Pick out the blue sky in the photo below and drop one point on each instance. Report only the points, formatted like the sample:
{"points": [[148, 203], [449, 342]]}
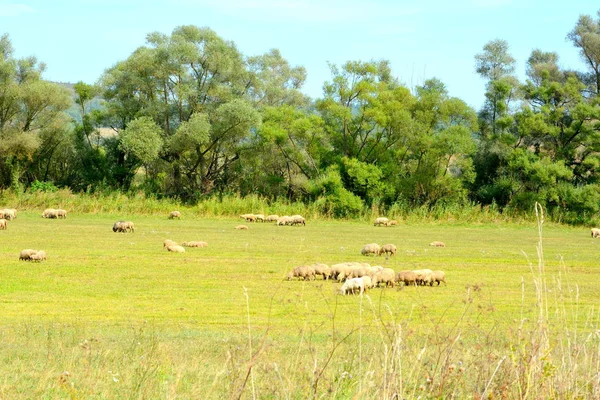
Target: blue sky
{"points": [[78, 40]]}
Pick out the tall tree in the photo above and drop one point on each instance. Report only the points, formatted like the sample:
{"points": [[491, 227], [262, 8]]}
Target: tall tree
{"points": [[586, 37]]}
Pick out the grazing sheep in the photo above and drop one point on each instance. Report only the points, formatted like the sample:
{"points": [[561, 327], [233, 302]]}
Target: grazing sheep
{"points": [[259, 217], [407, 277], [50, 213], [285, 220], [8, 213], [60, 213], [175, 214], [272, 218], [194, 244], [305, 272], [167, 242], [381, 221], [595, 232], [371, 248], [386, 276], [388, 248], [367, 282], [175, 249], [392, 222], [38, 256], [438, 276], [437, 244], [298, 220], [423, 276], [26, 254], [248, 217], [242, 227], [353, 285], [323, 270], [3, 225], [123, 226]]}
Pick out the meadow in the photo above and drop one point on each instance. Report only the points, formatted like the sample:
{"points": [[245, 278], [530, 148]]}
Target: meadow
{"points": [[112, 315]]}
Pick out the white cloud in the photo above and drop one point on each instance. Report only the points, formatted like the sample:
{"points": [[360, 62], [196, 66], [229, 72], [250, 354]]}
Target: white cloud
{"points": [[14, 10]]}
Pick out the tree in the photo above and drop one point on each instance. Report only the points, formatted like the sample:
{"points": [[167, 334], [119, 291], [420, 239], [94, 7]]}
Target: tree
{"points": [[31, 110], [586, 37]]}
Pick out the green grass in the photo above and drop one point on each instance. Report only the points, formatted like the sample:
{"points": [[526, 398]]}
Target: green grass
{"points": [[176, 325]]}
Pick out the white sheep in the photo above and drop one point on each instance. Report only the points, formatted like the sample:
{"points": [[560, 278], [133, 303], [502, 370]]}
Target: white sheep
{"points": [[175, 249], [50, 213], [242, 227], [322, 269], [248, 217], [3, 225], [437, 244], [371, 248], [168, 242], [8, 213], [391, 222], [272, 218], [388, 248], [438, 276], [285, 220], [305, 272], [381, 221], [298, 220], [353, 285], [259, 217], [38, 256], [423, 276], [595, 232], [386, 276], [175, 214], [60, 213], [26, 254]]}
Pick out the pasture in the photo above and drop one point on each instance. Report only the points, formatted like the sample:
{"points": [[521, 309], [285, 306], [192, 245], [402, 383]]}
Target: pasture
{"points": [[114, 315]]}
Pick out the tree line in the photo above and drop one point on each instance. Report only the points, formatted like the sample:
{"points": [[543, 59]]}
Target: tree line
{"points": [[188, 116]]}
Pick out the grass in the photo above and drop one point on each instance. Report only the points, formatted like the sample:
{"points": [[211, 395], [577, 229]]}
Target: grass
{"points": [[115, 316]]}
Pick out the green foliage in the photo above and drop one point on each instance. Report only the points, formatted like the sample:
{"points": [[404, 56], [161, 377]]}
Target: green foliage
{"points": [[141, 139], [38, 186], [332, 198]]}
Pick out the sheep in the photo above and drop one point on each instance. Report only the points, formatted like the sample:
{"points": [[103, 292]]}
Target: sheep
{"points": [[50, 213], [423, 276], [381, 221], [392, 222], [371, 248], [194, 244], [367, 282], [408, 277], [438, 276], [26, 254], [437, 244], [38, 256], [175, 249], [298, 220], [388, 248], [8, 214], [248, 217], [323, 270], [352, 285], [285, 220], [386, 276], [595, 232], [175, 214], [3, 225], [123, 226], [242, 227], [259, 217], [272, 218], [305, 272], [60, 213], [166, 243]]}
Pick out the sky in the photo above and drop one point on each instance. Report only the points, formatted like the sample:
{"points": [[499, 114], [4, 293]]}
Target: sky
{"points": [[422, 39]]}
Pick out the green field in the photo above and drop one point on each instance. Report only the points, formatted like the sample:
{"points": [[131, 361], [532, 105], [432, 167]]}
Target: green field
{"points": [[112, 315]]}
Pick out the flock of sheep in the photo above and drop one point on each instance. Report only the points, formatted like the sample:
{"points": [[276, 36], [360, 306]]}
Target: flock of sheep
{"points": [[359, 277], [280, 221]]}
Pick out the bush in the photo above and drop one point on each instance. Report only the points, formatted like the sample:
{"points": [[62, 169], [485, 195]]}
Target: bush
{"points": [[45, 187]]}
